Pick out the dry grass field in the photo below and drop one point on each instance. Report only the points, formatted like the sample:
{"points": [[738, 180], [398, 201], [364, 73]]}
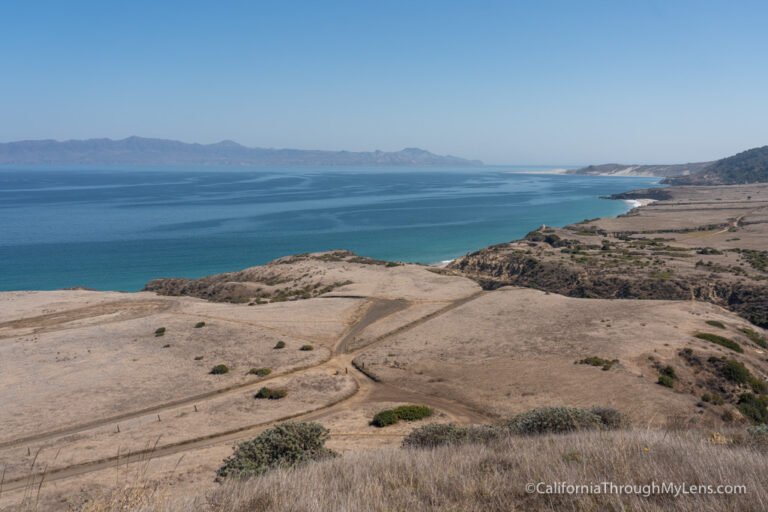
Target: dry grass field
{"points": [[494, 477]]}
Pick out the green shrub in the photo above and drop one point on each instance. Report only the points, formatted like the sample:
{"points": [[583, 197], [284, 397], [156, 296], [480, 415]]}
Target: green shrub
{"points": [[553, 420], [271, 393], [198, 325], [403, 412], [610, 417], [754, 407], [160, 331], [606, 364], [261, 372], [219, 369], [384, 418], [435, 434], [669, 372], [283, 446], [198, 358], [719, 340], [307, 347], [754, 337], [280, 344], [734, 371], [413, 412], [666, 381], [716, 323]]}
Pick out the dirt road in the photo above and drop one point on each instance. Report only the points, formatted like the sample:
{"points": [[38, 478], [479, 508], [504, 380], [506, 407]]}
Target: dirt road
{"points": [[365, 390]]}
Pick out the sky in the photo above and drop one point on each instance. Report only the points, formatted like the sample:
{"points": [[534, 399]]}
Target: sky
{"points": [[509, 82]]}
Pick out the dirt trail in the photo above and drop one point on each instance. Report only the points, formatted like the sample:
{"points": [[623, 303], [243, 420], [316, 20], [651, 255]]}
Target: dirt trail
{"points": [[155, 409], [426, 318], [378, 309], [366, 390], [117, 311]]}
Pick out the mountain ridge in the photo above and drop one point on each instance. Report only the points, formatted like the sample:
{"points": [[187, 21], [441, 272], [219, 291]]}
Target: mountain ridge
{"points": [[136, 150], [750, 166]]}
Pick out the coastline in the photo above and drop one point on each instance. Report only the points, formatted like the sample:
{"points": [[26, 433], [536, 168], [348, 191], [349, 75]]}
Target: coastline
{"points": [[556, 171], [425, 218], [634, 204], [639, 203]]}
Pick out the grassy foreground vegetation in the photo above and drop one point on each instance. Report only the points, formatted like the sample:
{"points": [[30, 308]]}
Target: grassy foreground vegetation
{"points": [[491, 476]]}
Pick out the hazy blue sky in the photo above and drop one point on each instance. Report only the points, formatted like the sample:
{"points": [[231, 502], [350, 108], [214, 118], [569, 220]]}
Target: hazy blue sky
{"points": [[550, 82]]}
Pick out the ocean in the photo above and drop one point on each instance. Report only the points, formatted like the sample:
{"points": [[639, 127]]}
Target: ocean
{"points": [[115, 229]]}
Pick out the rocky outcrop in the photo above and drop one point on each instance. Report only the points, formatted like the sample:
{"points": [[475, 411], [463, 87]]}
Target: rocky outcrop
{"points": [[499, 266], [659, 194], [288, 278]]}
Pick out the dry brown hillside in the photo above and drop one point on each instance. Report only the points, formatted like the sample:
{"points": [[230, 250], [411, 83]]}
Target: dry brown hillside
{"points": [[101, 390]]}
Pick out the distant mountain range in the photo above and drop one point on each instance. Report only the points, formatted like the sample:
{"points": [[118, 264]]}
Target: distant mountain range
{"points": [[750, 166], [146, 151]]}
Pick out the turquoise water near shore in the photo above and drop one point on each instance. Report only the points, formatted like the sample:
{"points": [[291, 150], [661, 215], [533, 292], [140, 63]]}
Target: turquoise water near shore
{"points": [[115, 229]]}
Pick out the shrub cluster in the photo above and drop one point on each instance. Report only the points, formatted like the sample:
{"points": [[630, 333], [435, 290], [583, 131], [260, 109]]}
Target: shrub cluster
{"points": [[219, 369], [435, 434], [666, 381], [716, 323], [735, 372], [610, 417], [271, 393], [719, 340], [667, 376], [754, 407], [384, 418], [546, 420], [606, 364], [403, 412], [754, 337], [283, 446], [558, 420]]}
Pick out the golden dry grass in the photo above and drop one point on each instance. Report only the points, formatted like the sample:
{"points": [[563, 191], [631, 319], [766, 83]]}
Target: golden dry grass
{"points": [[494, 477]]}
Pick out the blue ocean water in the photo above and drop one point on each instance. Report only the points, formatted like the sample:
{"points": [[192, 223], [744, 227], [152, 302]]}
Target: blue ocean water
{"points": [[115, 229]]}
